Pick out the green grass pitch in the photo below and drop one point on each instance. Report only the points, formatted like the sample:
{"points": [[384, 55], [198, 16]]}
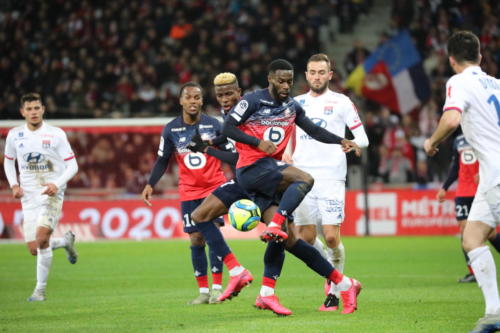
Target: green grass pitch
{"points": [[409, 285]]}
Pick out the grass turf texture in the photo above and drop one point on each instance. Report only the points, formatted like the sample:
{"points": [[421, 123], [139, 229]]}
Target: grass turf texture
{"points": [[409, 285]]}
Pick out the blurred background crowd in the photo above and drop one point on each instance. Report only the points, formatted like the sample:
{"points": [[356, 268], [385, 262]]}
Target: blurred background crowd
{"points": [[118, 58]]}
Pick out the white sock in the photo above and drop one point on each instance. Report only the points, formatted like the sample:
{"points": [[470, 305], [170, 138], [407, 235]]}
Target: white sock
{"points": [[56, 243], [204, 290], [216, 287], [343, 285], [266, 291], [274, 224], [43, 263], [338, 255], [318, 245], [485, 272], [236, 270]]}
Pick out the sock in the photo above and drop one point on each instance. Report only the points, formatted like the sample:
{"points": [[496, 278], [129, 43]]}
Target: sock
{"points": [[312, 258], [273, 262], [56, 243], [216, 266], [470, 269], [43, 263], [338, 255], [496, 242], [233, 265], [214, 239], [484, 268], [277, 220], [291, 198], [200, 266], [268, 286], [320, 247], [342, 285]]}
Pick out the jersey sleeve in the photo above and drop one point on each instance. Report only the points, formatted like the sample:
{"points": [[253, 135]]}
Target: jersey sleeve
{"points": [[63, 147], [455, 96], [244, 109], [351, 116], [10, 148], [166, 145]]}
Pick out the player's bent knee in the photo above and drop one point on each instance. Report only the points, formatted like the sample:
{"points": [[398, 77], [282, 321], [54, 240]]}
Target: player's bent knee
{"points": [[196, 239]]}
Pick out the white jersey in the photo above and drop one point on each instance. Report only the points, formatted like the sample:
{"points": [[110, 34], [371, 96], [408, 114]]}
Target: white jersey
{"points": [[477, 96], [332, 111], [40, 154]]}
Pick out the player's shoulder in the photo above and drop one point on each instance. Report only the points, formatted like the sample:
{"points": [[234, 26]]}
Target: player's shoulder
{"points": [[174, 123], [209, 120], [54, 130]]}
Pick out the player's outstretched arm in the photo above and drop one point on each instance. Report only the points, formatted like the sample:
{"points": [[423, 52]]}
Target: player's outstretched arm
{"points": [[317, 132]]}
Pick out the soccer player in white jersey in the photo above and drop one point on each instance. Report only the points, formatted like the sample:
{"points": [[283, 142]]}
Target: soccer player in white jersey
{"points": [[46, 163], [473, 101], [323, 207]]}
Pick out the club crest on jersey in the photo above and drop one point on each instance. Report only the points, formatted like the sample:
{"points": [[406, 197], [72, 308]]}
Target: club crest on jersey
{"points": [[328, 110], [302, 101], [287, 112], [45, 144]]}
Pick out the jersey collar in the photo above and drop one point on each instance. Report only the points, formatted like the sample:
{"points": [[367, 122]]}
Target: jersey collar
{"points": [[473, 70]]}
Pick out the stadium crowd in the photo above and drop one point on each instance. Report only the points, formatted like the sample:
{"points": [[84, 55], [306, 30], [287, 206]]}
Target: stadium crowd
{"points": [[93, 59]]}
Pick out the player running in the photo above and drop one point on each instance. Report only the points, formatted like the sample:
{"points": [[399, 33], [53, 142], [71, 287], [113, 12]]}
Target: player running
{"points": [[262, 123], [199, 175], [323, 206], [46, 163], [473, 101]]}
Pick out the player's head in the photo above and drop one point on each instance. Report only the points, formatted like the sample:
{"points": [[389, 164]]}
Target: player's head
{"points": [[463, 49], [227, 90], [280, 78], [319, 72], [32, 108], [191, 98]]}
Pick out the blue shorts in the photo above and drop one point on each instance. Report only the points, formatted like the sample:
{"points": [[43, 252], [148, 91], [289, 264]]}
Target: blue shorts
{"points": [[462, 207], [187, 207], [261, 179], [230, 192]]}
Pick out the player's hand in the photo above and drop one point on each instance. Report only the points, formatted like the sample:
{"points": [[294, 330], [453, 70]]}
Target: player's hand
{"points": [[50, 189], [197, 144], [440, 195], [147, 194], [267, 147], [429, 148], [17, 192], [287, 158], [348, 146]]}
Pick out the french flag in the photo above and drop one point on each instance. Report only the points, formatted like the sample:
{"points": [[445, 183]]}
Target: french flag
{"points": [[392, 75]]}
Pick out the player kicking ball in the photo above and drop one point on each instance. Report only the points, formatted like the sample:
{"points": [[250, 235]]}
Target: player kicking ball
{"points": [[46, 163]]}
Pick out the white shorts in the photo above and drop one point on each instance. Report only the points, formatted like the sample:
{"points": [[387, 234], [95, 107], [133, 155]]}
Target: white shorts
{"points": [[486, 207], [40, 211], [323, 205]]}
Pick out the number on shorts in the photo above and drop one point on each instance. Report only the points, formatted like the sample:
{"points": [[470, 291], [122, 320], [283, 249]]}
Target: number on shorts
{"points": [[187, 221], [462, 210]]}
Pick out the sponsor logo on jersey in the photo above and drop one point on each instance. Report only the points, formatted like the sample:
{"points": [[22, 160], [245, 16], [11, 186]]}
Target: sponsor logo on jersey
{"points": [[302, 101], [206, 126], [266, 111], [182, 139], [34, 157], [241, 107], [319, 122], [178, 129], [273, 123], [263, 101], [21, 146], [328, 110], [46, 144]]}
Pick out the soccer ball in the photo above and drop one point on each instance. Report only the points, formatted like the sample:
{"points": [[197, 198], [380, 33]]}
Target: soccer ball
{"points": [[244, 215]]}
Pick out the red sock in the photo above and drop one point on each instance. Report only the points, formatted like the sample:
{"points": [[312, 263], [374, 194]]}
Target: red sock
{"points": [[217, 278], [278, 218], [335, 276], [231, 261], [470, 269], [268, 282], [202, 281]]}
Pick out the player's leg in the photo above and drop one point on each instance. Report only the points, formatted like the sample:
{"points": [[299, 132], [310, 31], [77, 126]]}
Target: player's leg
{"points": [[216, 203], [200, 267], [462, 209], [483, 217], [494, 239]]}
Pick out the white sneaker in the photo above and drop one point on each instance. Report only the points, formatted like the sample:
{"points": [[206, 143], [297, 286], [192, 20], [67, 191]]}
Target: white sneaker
{"points": [[70, 247], [38, 296]]}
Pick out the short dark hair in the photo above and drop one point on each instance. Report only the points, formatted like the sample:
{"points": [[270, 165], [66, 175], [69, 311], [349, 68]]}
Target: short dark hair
{"points": [[320, 57], [190, 84], [464, 47], [279, 64], [30, 97]]}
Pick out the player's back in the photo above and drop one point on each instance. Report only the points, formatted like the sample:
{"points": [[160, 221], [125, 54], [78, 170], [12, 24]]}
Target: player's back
{"points": [[477, 96]]}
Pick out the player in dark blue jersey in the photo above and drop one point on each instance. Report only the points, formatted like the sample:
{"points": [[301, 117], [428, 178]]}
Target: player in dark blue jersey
{"points": [[199, 175]]}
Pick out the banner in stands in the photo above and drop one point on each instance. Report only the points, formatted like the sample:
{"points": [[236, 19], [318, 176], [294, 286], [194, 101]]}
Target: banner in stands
{"points": [[391, 212]]}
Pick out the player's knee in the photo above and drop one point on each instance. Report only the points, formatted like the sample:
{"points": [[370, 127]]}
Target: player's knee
{"points": [[196, 216], [197, 239], [332, 241], [42, 242]]}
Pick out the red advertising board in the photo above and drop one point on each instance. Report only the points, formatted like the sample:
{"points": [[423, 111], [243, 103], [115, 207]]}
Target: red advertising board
{"points": [[391, 212]]}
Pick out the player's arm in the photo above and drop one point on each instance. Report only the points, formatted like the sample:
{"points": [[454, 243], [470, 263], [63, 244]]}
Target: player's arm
{"points": [[322, 135], [64, 150], [9, 166], [355, 125], [451, 178], [164, 152], [237, 116]]}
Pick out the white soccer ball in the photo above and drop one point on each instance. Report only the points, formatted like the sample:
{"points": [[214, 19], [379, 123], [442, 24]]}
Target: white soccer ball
{"points": [[244, 215]]}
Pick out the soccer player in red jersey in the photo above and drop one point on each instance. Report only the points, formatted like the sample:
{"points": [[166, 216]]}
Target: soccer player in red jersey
{"points": [[199, 175], [464, 167]]}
